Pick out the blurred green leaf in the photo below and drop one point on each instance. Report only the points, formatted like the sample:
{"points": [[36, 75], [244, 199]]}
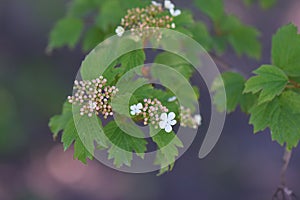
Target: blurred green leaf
{"points": [[92, 38], [213, 8], [67, 31]]}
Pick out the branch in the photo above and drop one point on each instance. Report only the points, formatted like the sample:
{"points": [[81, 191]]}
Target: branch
{"points": [[283, 192], [286, 160]]}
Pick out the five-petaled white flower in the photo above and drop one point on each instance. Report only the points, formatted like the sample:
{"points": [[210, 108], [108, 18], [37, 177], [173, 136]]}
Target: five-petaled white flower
{"points": [[120, 31], [198, 119], [136, 109], [169, 5], [175, 13], [167, 121], [156, 4], [92, 105]]}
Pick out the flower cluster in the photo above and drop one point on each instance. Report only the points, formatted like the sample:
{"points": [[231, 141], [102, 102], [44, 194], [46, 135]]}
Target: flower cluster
{"points": [[187, 120], [153, 112], [93, 96], [141, 21]]}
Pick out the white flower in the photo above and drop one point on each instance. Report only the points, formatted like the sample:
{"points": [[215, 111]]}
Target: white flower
{"points": [[167, 121], [92, 105], [169, 5], [156, 4], [173, 25], [120, 31], [136, 109], [198, 119], [175, 13], [171, 99]]}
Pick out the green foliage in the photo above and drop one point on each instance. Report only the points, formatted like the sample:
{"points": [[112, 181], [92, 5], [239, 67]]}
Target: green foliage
{"points": [[168, 145], [123, 145], [229, 30], [281, 117], [286, 50], [234, 86], [270, 82], [271, 97], [265, 4], [66, 32], [65, 123]]}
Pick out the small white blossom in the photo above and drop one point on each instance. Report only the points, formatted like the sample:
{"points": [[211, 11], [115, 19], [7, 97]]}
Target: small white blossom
{"points": [[171, 99], [169, 5], [136, 109], [167, 121], [156, 3], [175, 13], [120, 31], [173, 25], [198, 119], [92, 105]]}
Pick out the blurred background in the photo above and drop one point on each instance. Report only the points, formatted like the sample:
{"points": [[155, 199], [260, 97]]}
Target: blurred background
{"points": [[34, 85]]}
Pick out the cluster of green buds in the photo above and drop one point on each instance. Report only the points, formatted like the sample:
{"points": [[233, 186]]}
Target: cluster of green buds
{"points": [[145, 22], [93, 96]]}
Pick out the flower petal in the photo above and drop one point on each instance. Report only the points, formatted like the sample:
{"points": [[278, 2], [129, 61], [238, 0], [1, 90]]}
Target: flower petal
{"points": [[139, 106], [132, 107], [164, 116], [132, 112], [168, 4], [162, 124], [173, 122], [175, 13], [168, 128], [171, 116]]}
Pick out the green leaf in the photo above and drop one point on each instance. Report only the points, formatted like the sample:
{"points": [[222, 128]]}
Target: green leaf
{"points": [[80, 152], [167, 149], [261, 114], [285, 127], [69, 135], [133, 59], [201, 35], [282, 116], [110, 14], [80, 8], [176, 62], [286, 50], [122, 144], [265, 4], [92, 38], [241, 37], [213, 8], [234, 85], [185, 19], [65, 123], [59, 122], [270, 82], [247, 101], [67, 31]]}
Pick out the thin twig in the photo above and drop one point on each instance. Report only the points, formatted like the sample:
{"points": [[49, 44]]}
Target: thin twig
{"points": [[283, 192], [286, 160]]}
